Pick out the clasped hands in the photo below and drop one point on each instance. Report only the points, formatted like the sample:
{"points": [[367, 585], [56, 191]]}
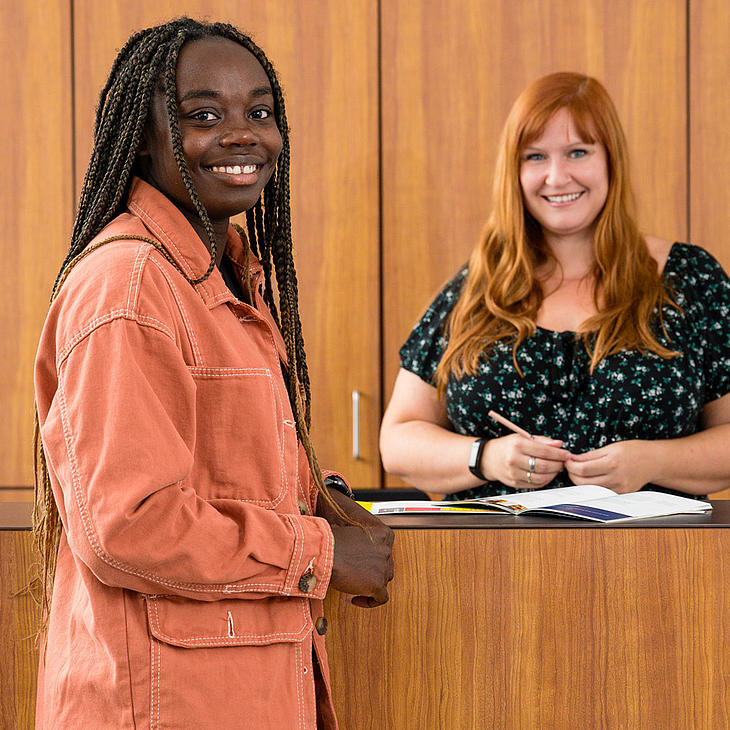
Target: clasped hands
{"points": [[363, 561], [532, 463]]}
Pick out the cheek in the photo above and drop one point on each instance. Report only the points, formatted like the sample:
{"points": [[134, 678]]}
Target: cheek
{"points": [[528, 188], [192, 148], [275, 143]]}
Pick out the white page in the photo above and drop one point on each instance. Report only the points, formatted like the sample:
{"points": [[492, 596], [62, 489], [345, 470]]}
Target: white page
{"points": [[648, 504], [546, 497]]}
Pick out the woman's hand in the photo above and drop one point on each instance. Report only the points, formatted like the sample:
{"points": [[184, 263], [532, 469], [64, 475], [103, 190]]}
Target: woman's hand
{"points": [[622, 466], [508, 460], [363, 562]]}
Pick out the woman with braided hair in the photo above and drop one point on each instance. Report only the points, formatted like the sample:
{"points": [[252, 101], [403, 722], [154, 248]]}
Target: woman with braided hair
{"points": [[186, 532], [610, 348]]}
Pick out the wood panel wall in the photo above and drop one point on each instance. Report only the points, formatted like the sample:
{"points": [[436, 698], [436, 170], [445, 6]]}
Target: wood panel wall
{"points": [[37, 198], [396, 105], [326, 55], [709, 171], [450, 72]]}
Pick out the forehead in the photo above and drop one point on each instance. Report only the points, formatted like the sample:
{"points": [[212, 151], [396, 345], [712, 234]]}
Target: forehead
{"points": [[218, 63], [561, 128]]}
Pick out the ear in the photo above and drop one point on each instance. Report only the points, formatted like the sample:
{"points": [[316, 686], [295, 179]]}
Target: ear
{"points": [[143, 149]]}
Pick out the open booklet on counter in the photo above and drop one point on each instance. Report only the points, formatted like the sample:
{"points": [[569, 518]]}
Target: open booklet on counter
{"points": [[585, 502]]}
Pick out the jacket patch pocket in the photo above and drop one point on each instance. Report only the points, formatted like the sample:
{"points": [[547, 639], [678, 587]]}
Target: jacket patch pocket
{"points": [[242, 451], [230, 622]]}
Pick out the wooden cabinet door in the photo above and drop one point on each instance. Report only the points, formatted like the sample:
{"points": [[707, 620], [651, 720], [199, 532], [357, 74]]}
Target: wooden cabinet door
{"points": [[709, 103], [35, 216], [450, 72], [326, 56]]}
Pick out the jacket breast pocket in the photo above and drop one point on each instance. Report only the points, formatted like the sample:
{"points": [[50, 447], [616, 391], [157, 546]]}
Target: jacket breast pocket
{"points": [[246, 441]]}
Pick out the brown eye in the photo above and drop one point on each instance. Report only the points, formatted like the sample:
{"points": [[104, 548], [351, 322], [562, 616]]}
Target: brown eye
{"points": [[261, 114], [203, 116]]}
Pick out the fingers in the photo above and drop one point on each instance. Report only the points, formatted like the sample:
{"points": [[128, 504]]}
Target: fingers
{"points": [[534, 464], [363, 562], [547, 440], [369, 601]]}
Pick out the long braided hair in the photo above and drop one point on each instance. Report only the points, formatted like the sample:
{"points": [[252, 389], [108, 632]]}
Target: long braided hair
{"points": [[147, 59]]}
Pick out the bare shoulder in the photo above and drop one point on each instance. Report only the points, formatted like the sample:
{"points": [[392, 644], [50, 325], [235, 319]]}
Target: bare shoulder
{"points": [[659, 249]]}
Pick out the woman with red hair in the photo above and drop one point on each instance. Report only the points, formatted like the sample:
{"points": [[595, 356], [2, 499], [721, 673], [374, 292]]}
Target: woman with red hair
{"points": [[612, 345]]}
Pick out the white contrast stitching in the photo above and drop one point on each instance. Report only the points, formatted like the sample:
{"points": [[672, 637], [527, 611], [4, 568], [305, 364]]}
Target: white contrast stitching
{"points": [[142, 252], [161, 233], [214, 372], [223, 640], [89, 327], [209, 372], [155, 649], [298, 662], [183, 312], [113, 562]]}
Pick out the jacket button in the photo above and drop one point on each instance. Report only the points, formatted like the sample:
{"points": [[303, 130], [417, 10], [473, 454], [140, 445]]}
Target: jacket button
{"points": [[302, 507], [307, 583], [321, 625]]}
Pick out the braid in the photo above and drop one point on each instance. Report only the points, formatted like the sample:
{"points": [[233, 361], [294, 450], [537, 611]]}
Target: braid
{"points": [[148, 59]]}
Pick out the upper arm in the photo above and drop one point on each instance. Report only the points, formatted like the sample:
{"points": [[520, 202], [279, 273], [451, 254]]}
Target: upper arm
{"points": [[414, 400], [716, 412]]}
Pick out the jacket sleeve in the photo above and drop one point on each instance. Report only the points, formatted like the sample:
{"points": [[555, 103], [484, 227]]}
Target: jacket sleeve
{"points": [[119, 434]]}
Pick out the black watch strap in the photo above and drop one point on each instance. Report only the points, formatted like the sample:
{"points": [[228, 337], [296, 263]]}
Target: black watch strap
{"points": [[333, 481], [475, 457]]}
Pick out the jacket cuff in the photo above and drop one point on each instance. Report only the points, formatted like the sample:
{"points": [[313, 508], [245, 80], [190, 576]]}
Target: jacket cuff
{"points": [[310, 569]]}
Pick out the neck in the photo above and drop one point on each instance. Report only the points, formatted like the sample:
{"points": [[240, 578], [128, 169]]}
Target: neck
{"points": [[220, 229], [575, 254]]}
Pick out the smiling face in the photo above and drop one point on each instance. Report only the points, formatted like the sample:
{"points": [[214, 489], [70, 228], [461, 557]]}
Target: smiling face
{"points": [[564, 180], [229, 135]]}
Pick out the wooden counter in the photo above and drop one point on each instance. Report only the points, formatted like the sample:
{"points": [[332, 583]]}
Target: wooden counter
{"points": [[501, 622]]}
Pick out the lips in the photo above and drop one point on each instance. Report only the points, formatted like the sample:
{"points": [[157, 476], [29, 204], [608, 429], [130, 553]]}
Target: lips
{"points": [[236, 171]]}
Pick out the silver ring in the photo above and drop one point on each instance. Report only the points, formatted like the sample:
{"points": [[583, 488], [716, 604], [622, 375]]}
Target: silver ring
{"points": [[531, 464]]}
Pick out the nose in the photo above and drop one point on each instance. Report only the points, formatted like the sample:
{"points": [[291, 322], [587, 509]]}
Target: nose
{"points": [[557, 173], [238, 132]]}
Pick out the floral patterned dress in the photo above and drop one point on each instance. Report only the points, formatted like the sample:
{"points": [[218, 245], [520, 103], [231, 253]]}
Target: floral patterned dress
{"points": [[630, 395]]}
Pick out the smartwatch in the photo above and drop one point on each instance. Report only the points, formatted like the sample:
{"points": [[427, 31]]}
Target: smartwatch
{"points": [[475, 457], [333, 481]]}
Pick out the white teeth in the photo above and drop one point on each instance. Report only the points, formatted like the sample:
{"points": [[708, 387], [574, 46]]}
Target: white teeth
{"points": [[235, 169], [563, 198]]}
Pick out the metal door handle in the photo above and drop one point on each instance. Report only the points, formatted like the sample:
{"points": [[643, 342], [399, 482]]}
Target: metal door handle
{"points": [[355, 424]]}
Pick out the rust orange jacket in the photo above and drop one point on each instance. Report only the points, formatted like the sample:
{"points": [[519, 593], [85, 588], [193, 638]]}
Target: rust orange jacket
{"points": [[187, 503]]}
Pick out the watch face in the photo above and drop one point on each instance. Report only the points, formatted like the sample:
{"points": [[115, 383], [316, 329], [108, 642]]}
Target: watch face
{"points": [[476, 449]]}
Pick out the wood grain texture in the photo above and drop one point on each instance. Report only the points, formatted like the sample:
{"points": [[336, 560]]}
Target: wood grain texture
{"points": [[18, 624], [709, 162], [20, 494], [505, 628], [35, 217], [540, 629], [450, 72], [326, 55], [709, 59]]}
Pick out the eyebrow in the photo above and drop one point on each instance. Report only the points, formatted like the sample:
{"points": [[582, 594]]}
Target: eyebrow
{"points": [[200, 94], [213, 94], [582, 143]]}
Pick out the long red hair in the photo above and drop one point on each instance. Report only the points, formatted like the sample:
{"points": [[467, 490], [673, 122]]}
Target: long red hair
{"points": [[501, 295]]}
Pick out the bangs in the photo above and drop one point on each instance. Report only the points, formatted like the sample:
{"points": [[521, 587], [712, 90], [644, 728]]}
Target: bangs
{"points": [[582, 117]]}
